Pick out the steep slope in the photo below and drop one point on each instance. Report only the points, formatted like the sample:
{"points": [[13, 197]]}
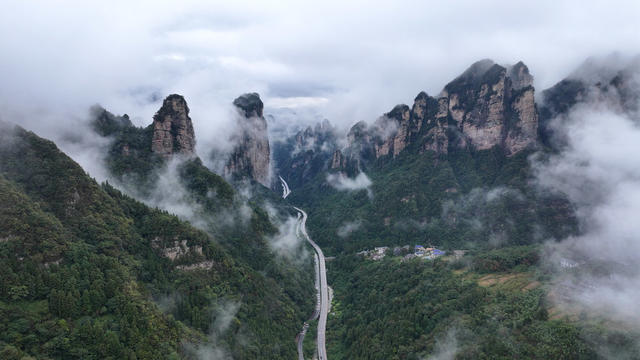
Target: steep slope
{"points": [[300, 158], [172, 128], [437, 167], [251, 156], [82, 263], [487, 106], [457, 171], [180, 180], [492, 305], [595, 81]]}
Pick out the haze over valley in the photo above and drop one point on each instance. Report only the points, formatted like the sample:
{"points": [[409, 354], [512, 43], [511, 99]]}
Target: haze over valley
{"points": [[257, 180]]}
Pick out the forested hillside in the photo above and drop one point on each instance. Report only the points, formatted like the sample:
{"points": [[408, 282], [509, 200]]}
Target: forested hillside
{"points": [[462, 172], [91, 273], [460, 201], [406, 310]]}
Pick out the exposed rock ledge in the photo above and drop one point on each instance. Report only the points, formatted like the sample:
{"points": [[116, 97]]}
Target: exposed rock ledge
{"points": [[176, 251], [203, 265]]}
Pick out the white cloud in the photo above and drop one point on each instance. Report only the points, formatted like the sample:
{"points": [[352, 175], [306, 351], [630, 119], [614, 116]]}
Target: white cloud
{"points": [[286, 242], [215, 348], [59, 60], [600, 174], [170, 57], [446, 346], [297, 101], [348, 227], [62, 59], [342, 182]]}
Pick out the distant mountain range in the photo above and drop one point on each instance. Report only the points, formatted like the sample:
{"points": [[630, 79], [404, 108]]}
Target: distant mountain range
{"points": [[108, 271]]}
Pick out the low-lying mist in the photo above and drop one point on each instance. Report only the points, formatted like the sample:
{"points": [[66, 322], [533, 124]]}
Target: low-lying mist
{"points": [[599, 171]]}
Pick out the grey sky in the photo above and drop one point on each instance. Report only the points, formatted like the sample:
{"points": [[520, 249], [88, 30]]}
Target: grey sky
{"points": [[349, 61]]}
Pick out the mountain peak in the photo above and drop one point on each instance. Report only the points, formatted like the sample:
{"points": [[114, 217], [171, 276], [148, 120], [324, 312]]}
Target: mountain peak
{"points": [[250, 157], [481, 99], [481, 72], [172, 128], [478, 68], [250, 103], [105, 123], [520, 76], [421, 96], [399, 112]]}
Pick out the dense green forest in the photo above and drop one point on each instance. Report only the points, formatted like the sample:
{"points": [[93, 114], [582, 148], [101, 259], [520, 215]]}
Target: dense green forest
{"points": [[92, 273], [494, 303], [86, 273], [390, 309], [464, 200]]}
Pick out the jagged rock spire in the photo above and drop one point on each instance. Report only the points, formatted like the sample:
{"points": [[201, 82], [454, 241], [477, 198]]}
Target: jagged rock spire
{"points": [[250, 104], [172, 128], [487, 105], [251, 155]]}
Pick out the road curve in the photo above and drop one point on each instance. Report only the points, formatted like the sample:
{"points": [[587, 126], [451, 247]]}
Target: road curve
{"points": [[285, 188], [322, 304], [324, 292]]}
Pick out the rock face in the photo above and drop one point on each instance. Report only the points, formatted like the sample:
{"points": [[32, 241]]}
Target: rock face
{"points": [[301, 157], [492, 105], [362, 142], [314, 139], [392, 130], [172, 128], [250, 157], [488, 105], [337, 160], [595, 81], [421, 128]]}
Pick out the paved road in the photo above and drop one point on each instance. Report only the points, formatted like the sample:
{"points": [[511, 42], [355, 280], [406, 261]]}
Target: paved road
{"points": [[324, 292], [285, 188], [300, 340], [323, 302], [316, 311]]}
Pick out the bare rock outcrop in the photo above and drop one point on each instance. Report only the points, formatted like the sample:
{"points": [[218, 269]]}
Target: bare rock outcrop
{"points": [[422, 126], [251, 155], [172, 128], [298, 159], [202, 265], [391, 131], [494, 106], [487, 106], [523, 132], [337, 160], [175, 249], [520, 76]]}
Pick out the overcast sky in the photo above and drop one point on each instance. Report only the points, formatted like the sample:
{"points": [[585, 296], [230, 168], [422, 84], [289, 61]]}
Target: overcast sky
{"points": [[347, 60]]}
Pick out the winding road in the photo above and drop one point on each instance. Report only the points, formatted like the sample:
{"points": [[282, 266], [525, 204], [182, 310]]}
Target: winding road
{"points": [[316, 311], [324, 291], [285, 188], [322, 305]]}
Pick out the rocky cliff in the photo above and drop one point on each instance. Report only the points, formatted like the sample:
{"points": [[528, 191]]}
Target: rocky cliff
{"points": [[492, 105], [251, 155], [488, 105], [172, 128], [300, 157], [137, 152], [596, 81], [360, 140]]}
